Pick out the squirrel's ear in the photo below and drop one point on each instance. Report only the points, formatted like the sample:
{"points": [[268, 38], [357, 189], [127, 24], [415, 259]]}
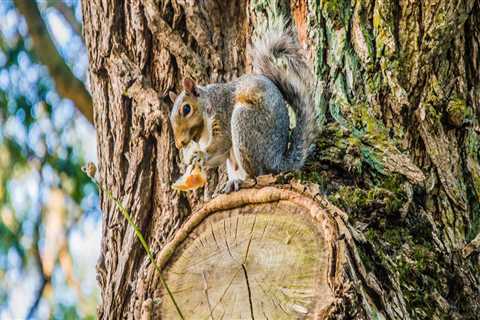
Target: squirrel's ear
{"points": [[172, 96], [190, 87]]}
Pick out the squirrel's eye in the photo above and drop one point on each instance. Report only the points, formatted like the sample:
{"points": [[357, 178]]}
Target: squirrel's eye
{"points": [[186, 109]]}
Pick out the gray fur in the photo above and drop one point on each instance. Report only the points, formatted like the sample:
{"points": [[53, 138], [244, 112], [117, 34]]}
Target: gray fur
{"points": [[295, 85], [260, 132]]}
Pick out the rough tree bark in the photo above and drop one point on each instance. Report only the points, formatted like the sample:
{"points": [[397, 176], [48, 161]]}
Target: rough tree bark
{"points": [[398, 97]]}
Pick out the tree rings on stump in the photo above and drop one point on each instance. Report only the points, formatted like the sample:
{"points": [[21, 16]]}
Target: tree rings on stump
{"points": [[264, 253]]}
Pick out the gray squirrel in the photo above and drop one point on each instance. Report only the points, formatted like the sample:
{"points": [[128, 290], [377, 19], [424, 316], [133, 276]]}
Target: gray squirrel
{"points": [[245, 122]]}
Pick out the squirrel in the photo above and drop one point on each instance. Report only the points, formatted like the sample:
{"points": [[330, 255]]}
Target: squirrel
{"points": [[245, 122]]}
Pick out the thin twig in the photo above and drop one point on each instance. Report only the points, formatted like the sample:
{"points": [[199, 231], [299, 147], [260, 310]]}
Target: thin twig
{"points": [[44, 277], [41, 289], [36, 253]]}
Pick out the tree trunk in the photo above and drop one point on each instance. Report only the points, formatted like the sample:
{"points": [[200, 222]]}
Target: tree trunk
{"points": [[398, 98]]}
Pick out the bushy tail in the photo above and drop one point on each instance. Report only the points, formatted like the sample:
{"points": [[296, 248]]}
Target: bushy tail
{"points": [[295, 82]]}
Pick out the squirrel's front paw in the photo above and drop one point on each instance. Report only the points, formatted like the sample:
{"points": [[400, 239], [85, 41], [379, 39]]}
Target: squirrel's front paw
{"points": [[232, 185]]}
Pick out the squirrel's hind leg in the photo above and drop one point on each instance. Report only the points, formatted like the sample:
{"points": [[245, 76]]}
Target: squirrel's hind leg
{"points": [[259, 138], [236, 174]]}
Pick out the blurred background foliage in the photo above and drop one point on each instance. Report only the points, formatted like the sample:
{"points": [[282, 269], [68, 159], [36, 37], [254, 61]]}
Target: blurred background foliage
{"points": [[49, 219]]}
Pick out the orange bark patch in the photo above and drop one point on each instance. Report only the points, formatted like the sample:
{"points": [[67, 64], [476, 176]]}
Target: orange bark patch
{"points": [[299, 12]]}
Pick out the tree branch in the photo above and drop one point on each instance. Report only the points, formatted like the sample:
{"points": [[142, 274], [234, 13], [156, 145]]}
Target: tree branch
{"points": [[67, 85]]}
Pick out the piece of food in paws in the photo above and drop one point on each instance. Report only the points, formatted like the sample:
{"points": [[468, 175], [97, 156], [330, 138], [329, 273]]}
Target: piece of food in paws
{"points": [[190, 152], [193, 178]]}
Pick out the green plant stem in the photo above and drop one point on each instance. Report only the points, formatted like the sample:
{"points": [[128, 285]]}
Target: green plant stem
{"points": [[140, 237]]}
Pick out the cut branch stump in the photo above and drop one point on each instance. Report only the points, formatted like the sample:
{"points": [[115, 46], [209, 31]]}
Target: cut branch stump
{"points": [[266, 252]]}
